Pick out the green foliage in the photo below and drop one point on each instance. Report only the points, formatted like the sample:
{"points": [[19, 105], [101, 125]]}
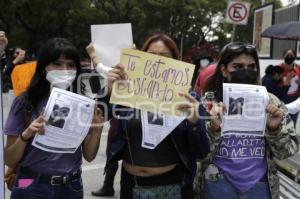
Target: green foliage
{"points": [[29, 23]]}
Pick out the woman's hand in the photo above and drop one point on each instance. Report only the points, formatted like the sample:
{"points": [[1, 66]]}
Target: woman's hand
{"points": [[90, 49], [116, 74], [98, 120], [191, 107], [92, 140], [20, 57], [275, 116], [216, 115], [36, 126]]}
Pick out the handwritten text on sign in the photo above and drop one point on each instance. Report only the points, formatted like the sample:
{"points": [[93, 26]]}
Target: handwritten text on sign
{"points": [[153, 82]]}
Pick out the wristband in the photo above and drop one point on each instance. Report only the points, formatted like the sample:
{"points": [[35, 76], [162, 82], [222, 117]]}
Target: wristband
{"points": [[23, 139]]}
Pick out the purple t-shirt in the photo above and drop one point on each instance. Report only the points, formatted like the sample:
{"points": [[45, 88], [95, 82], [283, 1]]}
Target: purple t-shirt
{"points": [[34, 158], [242, 159]]}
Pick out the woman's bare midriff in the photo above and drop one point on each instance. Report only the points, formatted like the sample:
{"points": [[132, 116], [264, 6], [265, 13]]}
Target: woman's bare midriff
{"points": [[147, 171]]}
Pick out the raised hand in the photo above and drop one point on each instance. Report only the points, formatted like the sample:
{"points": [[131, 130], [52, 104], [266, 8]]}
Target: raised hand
{"points": [[216, 115], [191, 107], [114, 75], [91, 51], [20, 57], [98, 119], [275, 116], [36, 126]]}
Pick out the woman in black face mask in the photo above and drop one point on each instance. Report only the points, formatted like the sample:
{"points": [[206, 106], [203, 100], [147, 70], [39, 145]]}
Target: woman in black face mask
{"points": [[291, 71], [224, 174], [238, 63], [289, 57]]}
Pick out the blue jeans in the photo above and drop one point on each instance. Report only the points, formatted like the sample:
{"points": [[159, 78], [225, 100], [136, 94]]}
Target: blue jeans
{"points": [[40, 189], [221, 188]]}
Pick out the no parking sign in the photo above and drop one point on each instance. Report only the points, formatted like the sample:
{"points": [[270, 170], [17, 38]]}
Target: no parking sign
{"points": [[237, 12]]}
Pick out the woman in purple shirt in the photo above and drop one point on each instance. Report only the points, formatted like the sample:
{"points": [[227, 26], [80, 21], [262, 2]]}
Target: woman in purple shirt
{"points": [[42, 174], [239, 165]]}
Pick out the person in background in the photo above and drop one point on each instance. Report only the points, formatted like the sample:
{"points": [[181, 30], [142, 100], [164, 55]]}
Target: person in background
{"points": [[107, 188], [203, 78], [272, 79], [18, 55], [4, 61], [41, 174], [247, 175], [291, 71], [201, 62], [3, 45], [172, 164], [15, 57]]}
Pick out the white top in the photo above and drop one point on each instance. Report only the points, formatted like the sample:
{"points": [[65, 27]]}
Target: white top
{"points": [[294, 107]]}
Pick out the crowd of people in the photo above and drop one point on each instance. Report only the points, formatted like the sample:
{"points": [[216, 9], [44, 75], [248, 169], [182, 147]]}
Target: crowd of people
{"points": [[188, 163]]}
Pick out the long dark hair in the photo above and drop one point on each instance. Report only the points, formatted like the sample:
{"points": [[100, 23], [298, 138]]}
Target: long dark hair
{"points": [[228, 53], [168, 41], [39, 86]]}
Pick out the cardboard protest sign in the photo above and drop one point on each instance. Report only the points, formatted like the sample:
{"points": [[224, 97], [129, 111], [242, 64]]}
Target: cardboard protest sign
{"points": [[153, 82], [21, 76]]}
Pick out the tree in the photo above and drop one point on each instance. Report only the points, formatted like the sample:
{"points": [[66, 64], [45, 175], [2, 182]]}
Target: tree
{"points": [[29, 23]]}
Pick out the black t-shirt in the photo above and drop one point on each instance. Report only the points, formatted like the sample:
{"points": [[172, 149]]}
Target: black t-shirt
{"points": [[164, 154]]}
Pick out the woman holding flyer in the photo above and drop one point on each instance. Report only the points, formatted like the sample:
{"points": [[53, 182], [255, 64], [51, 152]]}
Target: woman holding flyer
{"points": [[242, 166], [166, 171], [41, 174]]}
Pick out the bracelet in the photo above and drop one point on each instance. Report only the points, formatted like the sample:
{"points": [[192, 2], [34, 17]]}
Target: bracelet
{"points": [[23, 139]]}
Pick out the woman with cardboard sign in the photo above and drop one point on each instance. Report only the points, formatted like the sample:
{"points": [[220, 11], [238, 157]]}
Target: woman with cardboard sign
{"points": [[167, 170]]}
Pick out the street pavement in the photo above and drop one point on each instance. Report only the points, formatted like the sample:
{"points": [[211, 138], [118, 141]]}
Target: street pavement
{"points": [[92, 173]]}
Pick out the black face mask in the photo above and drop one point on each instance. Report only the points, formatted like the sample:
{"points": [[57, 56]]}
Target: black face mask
{"points": [[289, 59], [243, 77]]}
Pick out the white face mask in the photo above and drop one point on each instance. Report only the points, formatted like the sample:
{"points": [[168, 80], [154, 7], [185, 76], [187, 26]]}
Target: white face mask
{"points": [[61, 78], [204, 62]]}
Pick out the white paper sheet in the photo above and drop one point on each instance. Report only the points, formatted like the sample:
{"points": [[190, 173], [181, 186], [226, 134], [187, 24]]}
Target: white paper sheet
{"points": [[69, 117], [156, 127], [109, 39], [246, 105]]}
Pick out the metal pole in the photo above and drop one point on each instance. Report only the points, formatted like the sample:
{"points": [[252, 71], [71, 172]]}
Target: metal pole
{"points": [[262, 2], [233, 32]]}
